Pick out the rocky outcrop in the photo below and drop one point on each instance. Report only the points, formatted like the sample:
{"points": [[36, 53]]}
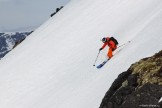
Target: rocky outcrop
{"points": [[160, 103], [138, 87], [57, 10], [8, 41]]}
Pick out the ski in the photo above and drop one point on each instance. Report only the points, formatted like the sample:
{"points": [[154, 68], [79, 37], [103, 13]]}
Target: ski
{"points": [[102, 64]]}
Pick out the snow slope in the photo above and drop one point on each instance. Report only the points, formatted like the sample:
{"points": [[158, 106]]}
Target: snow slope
{"points": [[160, 99], [56, 68]]}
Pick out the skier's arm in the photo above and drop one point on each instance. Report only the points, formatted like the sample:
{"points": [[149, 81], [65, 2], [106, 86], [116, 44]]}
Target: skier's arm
{"points": [[103, 46]]}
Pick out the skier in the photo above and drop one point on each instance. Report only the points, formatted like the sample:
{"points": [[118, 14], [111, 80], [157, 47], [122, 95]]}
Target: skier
{"points": [[112, 43]]}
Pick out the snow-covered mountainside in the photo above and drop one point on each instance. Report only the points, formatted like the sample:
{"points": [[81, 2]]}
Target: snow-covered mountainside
{"points": [[8, 41], [56, 68]]}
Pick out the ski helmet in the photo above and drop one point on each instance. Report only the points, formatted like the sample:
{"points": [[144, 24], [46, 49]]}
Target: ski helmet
{"points": [[104, 40]]}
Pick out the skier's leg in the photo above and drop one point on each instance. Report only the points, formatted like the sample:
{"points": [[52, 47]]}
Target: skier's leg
{"points": [[110, 54]]}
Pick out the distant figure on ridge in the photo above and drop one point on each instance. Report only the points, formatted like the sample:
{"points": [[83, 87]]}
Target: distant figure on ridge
{"points": [[112, 44]]}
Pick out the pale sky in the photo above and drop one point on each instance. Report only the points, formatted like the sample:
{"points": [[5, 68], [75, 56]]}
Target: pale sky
{"points": [[24, 15]]}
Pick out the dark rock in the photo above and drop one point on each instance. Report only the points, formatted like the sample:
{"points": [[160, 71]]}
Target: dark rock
{"points": [[53, 14], [146, 96], [138, 87], [159, 54], [160, 104], [160, 72], [114, 87], [127, 97], [132, 80], [57, 10], [118, 98]]}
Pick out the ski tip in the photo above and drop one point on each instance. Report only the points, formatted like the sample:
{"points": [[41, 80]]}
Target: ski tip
{"points": [[98, 67]]}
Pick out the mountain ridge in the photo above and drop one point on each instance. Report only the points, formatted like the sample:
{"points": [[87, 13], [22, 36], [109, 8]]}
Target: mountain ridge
{"points": [[9, 40]]}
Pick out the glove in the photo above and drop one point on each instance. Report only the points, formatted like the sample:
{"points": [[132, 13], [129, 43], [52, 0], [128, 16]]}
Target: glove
{"points": [[100, 49]]}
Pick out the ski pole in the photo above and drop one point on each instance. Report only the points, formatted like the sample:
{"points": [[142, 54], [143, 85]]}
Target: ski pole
{"points": [[124, 44], [96, 58]]}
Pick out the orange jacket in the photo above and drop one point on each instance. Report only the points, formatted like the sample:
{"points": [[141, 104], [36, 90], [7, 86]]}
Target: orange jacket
{"points": [[110, 43]]}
